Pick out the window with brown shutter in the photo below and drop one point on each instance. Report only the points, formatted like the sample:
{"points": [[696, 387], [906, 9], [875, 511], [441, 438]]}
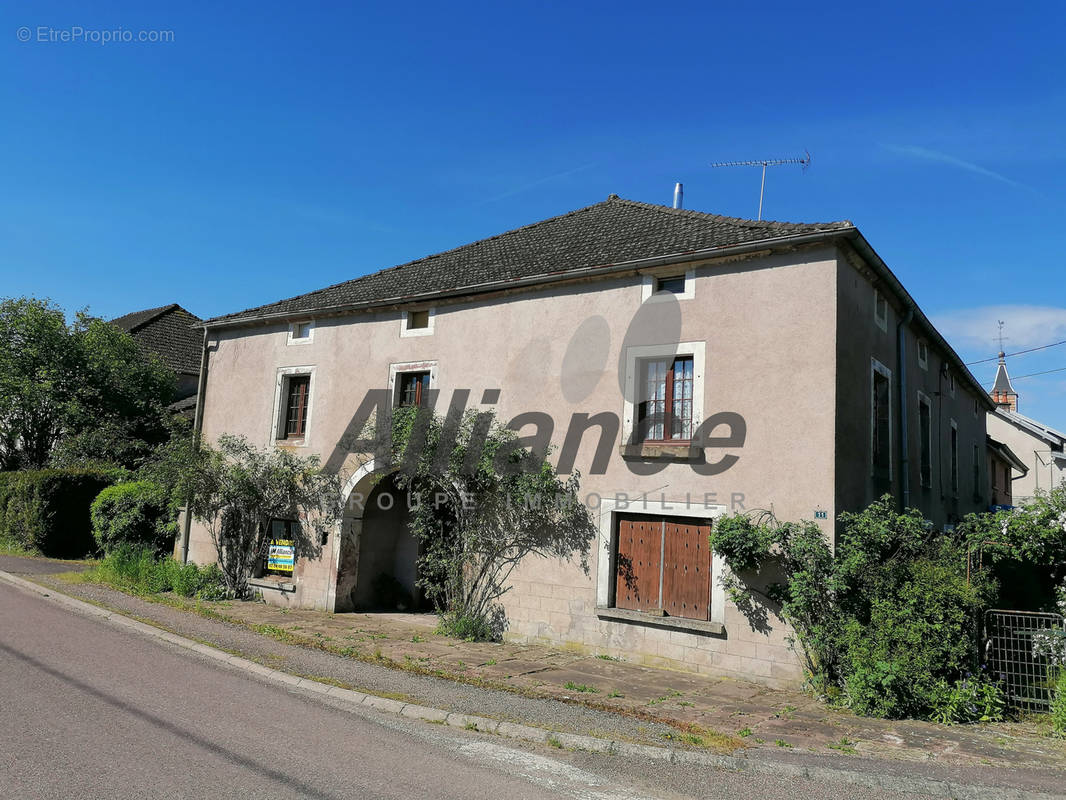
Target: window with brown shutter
{"points": [[296, 398], [412, 389], [663, 565], [665, 410]]}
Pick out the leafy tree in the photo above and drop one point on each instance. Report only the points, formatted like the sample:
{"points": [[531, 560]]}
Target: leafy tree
{"points": [[236, 490], [38, 363], [75, 394], [481, 505]]}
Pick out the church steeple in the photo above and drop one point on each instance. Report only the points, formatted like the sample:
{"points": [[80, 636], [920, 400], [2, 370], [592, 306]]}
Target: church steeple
{"points": [[1003, 393]]}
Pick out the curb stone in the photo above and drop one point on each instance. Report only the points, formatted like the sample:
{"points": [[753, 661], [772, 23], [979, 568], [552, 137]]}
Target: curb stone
{"points": [[893, 783]]}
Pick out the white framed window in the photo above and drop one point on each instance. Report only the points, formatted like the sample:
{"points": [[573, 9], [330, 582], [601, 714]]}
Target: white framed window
{"points": [[409, 381], [302, 332], [951, 383], [418, 322], [641, 396], [880, 310], [925, 441], [679, 285], [976, 408], [612, 509], [294, 394], [880, 420], [923, 354]]}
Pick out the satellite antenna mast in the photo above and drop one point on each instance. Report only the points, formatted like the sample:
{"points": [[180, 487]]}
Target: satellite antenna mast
{"points": [[769, 162]]}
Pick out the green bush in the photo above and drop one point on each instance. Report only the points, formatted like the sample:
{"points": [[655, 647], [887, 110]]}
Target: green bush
{"points": [[135, 513], [1058, 704], [886, 621], [971, 699], [920, 629], [47, 511], [141, 571]]}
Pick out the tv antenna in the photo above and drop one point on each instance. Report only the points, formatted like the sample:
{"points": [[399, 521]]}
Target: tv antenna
{"points": [[769, 162]]}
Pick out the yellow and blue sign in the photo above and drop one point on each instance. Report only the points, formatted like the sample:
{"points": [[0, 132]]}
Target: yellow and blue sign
{"points": [[282, 556]]}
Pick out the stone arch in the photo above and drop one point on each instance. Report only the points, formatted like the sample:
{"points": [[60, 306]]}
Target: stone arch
{"points": [[376, 559]]}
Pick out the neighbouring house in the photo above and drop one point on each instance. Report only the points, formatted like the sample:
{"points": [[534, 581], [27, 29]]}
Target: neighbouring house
{"points": [[1004, 467], [687, 364], [167, 331], [1040, 448]]}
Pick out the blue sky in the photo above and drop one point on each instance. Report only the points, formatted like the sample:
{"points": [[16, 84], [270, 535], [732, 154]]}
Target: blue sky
{"points": [[271, 149]]}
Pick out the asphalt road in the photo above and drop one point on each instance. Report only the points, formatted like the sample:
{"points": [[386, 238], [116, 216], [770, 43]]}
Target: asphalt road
{"points": [[91, 710]]}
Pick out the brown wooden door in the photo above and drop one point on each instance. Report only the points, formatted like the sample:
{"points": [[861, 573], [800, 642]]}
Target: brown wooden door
{"points": [[639, 555], [686, 569]]}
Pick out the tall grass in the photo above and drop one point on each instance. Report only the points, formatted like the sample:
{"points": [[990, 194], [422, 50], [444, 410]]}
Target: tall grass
{"points": [[137, 570]]}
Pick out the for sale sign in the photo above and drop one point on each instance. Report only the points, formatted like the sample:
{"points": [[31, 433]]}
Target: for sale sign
{"points": [[282, 556]]}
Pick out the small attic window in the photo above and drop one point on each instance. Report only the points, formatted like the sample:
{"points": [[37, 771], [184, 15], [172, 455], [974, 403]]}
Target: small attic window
{"points": [[418, 322], [301, 332], [677, 287], [674, 284], [923, 354]]}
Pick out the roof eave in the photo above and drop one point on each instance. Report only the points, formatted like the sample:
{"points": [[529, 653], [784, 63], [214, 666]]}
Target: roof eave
{"points": [[1007, 454], [879, 266]]}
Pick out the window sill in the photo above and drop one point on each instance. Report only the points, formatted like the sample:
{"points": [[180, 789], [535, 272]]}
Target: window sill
{"points": [[275, 583], [682, 451], [697, 626]]}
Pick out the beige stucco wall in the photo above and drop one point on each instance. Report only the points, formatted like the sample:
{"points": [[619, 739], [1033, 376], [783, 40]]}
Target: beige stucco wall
{"points": [[1045, 472], [769, 330]]}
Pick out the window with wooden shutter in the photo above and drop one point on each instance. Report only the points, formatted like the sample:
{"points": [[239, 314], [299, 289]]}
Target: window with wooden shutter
{"points": [[296, 406], [665, 411], [412, 389], [664, 566]]}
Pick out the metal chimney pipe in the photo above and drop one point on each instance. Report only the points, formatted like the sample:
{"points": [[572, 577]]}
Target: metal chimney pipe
{"points": [[679, 195]]}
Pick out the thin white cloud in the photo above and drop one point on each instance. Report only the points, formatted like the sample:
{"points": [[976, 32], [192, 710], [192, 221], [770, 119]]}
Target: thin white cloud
{"points": [[1025, 326], [924, 153], [533, 184]]}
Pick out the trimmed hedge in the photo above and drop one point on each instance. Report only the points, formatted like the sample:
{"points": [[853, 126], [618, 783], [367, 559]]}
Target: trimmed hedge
{"points": [[47, 511], [135, 513]]}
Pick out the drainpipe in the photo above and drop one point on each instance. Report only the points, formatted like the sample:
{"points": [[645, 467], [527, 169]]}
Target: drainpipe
{"points": [[904, 460], [198, 423]]}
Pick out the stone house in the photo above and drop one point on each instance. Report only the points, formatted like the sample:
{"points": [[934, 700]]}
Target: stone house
{"points": [[688, 364]]}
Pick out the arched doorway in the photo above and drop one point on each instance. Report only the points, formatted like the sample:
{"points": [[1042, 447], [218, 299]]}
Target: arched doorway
{"points": [[377, 569]]}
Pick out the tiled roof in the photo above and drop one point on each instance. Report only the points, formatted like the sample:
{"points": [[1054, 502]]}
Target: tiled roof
{"points": [[615, 231], [166, 331]]}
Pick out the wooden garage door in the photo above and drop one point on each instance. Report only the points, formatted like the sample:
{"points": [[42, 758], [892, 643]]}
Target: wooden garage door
{"points": [[664, 564], [686, 570], [639, 558]]}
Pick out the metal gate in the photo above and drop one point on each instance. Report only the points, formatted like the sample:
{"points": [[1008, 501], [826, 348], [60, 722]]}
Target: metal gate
{"points": [[1009, 655]]}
